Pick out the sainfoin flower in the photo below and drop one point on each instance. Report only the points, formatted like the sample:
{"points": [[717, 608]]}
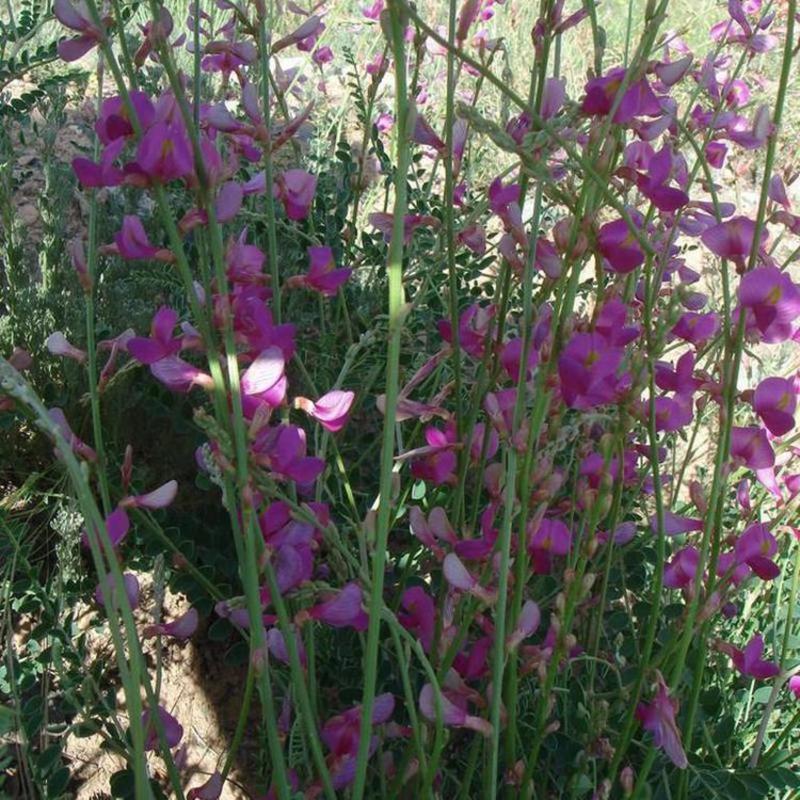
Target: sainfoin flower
{"points": [[751, 448], [172, 729], [330, 410], [181, 628], [772, 303], [658, 717], [775, 401], [322, 275], [749, 661], [453, 710], [295, 189], [344, 610]]}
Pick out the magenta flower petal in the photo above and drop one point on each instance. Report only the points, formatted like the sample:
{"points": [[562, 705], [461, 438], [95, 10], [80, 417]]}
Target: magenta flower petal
{"points": [[173, 730], [775, 401], [345, 610]]}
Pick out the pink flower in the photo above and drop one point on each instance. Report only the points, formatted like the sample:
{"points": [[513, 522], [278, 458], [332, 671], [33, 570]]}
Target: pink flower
{"points": [[322, 275], [475, 329], [588, 368], [161, 497], [264, 381], [322, 55], [696, 328], [419, 615], [343, 610], [527, 624], [78, 18], [680, 571], [210, 790], [658, 717], [161, 342], [173, 730], [794, 685], [295, 189], [79, 447], [385, 224], [181, 628], [117, 526], [750, 663], [132, 243], [550, 538], [114, 123], [282, 449], [437, 461], [58, 345], [180, 376], [772, 302], [106, 588], [459, 577], [330, 410], [733, 238], [454, 710], [755, 548], [164, 153], [675, 525], [93, 175], [751, 448], [775, 401]]}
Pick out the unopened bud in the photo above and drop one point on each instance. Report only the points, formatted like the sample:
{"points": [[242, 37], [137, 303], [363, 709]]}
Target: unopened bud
{"points": [[626, 781]]}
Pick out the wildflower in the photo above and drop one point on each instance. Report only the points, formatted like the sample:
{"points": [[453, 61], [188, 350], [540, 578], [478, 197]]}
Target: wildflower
{"points": [[755, 548], [751, 448], [295, 189], [161, 497], [180, 376], [588, 368], [344, 610], [551, 537], [164, 154], [173, 730], [733, 238], [453, 710], [696, 328], [322, 275], [437, 461], [132, 243], [794, 685], [264, 381], [330, 410], [459, 577], [775, 401], [475, 329], [419, 615], [210, 790], [658, 717], [78, 18], [79, 447], [385, 224], [749, 661], [282, 449], [161, 343], [106, 587], [527, 624], [58, 345], [92, 175], [772, 303], [181, 628], [680, 571]]}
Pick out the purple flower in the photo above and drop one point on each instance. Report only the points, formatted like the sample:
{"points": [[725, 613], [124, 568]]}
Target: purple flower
{"points": [[181, 628], [164, 153], [772, 302], [161, 342], [78, 18], [696, 328], [173, 730], [454, 710], [755, 548], [330, 410], [751, 448], [322, 275], [343, 610], [418, 615], [658, 717], [282, 449], [750, 663], [106, 587], [775, 401], [587, 368], [295, 189], [733, 238]]}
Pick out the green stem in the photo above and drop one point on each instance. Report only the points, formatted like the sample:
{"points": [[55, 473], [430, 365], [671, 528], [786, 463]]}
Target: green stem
{"points": [[396, 316]]}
